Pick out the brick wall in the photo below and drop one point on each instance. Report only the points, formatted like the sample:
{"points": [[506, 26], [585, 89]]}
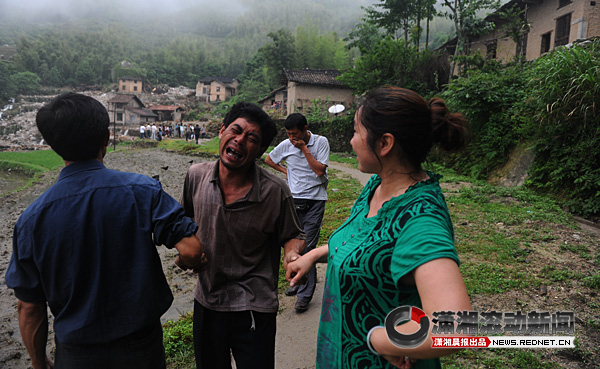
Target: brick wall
{"points": [[593, 16], [542, 18], [300, 96]]}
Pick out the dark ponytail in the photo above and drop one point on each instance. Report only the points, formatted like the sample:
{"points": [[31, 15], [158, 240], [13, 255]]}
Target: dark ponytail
{"points": [[449, 130]]}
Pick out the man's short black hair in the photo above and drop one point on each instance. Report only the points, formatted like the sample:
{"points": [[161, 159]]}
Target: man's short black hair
{"points": [[295, 120], [253, 114], [74, 125]]}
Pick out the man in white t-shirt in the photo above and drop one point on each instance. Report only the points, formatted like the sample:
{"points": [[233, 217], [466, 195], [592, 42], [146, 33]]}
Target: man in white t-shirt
{"points": [[307, 157], [142, 129]]}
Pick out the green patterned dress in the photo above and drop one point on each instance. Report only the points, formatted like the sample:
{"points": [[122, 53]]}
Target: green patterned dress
{"points": [[367, 257]]}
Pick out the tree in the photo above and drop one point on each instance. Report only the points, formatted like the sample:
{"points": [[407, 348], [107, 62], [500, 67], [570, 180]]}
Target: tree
{"points": [[25, 82], [278, 54], [85, 74], [464, 13], [305, 41], [430, 13], [254, 90], [388, 62], [363, 36], [7, 89], [395, 15], [516, 28]]}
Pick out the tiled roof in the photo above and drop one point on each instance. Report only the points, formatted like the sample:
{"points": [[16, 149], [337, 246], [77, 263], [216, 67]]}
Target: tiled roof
{"points": [[129, 78], [141, 112], [322, 77], [163, 107], [123, 98], [272, 93], [220, 79]]}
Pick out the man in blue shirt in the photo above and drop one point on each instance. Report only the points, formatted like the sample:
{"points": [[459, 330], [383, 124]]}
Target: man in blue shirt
{"points": [[307, 157], [87, 249]]}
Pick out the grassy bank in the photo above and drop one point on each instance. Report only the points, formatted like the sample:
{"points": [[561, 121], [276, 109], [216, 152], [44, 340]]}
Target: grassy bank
{"points": [[30, 165], [30, 162]]}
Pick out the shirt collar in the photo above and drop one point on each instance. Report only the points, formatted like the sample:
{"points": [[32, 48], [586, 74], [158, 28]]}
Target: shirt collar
{"points": [[311, 140], [254, 195], [80, 166]]}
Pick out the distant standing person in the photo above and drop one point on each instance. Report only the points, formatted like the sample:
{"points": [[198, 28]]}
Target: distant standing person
{"points": [[142, 129], [197, 132], [87, 248], [307, 158], [204, 131]]}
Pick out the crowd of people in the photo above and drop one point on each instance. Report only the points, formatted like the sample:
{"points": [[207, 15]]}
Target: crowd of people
{"points": [[178, 130], [231, 225]]}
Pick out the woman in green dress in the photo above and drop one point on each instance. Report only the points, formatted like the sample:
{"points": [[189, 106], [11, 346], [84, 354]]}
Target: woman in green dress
{"points": [[397, 246]]}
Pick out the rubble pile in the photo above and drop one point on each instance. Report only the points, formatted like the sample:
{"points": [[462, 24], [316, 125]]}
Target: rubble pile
{"points": [[19, 132]]}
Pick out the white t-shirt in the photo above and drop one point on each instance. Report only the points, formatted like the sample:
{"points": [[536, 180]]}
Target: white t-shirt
{"points": [[303, 181]]}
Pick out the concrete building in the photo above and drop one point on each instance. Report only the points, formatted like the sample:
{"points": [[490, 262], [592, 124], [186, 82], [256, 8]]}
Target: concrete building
{"points": [[552, 23], [127, 109], [301, 87], [130, 85], [166, 112], [215, 89]]}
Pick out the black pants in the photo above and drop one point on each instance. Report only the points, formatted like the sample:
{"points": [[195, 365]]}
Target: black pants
{"points": [[310, 213], [249, 335], [142, 349]]}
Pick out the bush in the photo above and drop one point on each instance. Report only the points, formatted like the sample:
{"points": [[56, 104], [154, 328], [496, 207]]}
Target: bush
{"points": [[338, 130], [565, 93], [488, 99], [178, 335]]}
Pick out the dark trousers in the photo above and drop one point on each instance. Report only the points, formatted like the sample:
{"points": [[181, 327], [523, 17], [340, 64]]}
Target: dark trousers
{"points": [[248, 335], [142, 349], [310, 214]]}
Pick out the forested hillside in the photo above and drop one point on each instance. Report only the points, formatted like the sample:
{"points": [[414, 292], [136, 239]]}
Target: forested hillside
{"points": [[172, 43]]}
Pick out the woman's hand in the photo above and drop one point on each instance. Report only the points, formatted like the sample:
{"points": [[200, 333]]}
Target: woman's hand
{"points": [[298, 269], [402, 362]]}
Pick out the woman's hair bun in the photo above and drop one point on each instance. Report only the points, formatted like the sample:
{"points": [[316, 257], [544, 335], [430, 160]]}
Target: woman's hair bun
{"points": [[449, 130]]}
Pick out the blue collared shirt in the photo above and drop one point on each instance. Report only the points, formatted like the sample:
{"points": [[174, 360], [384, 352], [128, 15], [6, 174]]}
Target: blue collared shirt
{"points": [[87, 246]]}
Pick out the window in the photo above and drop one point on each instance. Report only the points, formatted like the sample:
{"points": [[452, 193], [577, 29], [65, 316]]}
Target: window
{"points": [[218, 89], [545, 43], [563, 27], [134, 88], [491, 48], [562, 3], [119, 116], [123, 88], [204, 90]]}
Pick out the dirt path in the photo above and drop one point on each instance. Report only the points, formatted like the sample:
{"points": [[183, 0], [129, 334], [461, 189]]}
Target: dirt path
{"points": [[296, 341]]}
